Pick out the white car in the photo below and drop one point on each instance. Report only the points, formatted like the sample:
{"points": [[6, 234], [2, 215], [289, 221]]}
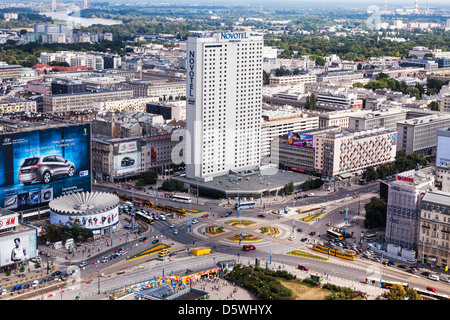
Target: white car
{"points": [[433, 277], [83, 264], [172, 226], [4, 292], [35, 283], [445, 279], [292, 238]]}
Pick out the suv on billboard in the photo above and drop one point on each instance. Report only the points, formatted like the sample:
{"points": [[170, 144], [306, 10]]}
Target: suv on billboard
{"points": [[126, 161], [45, 168]]}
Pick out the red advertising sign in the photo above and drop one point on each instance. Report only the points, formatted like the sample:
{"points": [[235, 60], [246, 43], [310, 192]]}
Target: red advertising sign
{"points": [[407, 179]]}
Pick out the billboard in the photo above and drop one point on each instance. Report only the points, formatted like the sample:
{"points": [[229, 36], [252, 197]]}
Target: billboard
{"points": [[16, 248], [37, 166], [89, 221], [127, 162], [301, 140]]}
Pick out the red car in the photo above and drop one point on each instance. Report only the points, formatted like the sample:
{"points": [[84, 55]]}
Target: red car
{"points": [[411, 271], [302, 267], [431, 289], [205, 215]]}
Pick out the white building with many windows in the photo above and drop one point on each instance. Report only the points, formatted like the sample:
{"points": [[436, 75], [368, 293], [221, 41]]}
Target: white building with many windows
{"points": [[224, 99]]}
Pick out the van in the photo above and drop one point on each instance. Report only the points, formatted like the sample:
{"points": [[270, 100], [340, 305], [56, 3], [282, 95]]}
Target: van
{"points": [[302, 267], [431, 289], [247, 247]]}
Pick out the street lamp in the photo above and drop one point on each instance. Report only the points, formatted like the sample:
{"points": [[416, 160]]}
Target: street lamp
{"points": [[346, 218]]}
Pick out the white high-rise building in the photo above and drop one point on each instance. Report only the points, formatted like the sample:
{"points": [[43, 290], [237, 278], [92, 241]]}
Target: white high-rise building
{"points": [[224, 98]]}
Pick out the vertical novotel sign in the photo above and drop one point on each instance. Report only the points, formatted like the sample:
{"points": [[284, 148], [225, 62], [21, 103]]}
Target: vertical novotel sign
{"points": [[191, 74]]}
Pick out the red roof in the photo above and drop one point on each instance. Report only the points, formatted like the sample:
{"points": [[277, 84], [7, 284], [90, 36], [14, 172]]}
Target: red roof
{"points": [[58, 68], [40, 65]]}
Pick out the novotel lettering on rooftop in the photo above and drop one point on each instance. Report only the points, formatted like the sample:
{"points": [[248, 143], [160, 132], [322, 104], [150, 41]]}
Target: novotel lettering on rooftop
{"points": [[233, 36]]}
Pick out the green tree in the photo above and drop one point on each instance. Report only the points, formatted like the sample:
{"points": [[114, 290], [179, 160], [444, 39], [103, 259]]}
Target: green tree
{"points": [[310, 102], [434, 105], [375, 213], [411, 294], [320, 61], [397, 292], [370, 174]]}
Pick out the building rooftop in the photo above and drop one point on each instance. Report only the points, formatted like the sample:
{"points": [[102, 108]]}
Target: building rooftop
{"points": [[84, 203]]}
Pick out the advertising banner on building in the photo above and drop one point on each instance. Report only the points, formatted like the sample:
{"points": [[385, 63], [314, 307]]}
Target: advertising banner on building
{"points": [[127, 162], [127, 147], [15, 248], [89, 221], [39, 165], [9, 221], [302, 140]]}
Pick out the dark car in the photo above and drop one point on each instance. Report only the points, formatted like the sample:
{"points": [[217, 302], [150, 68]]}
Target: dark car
{"points": [[26, 286], [402, 266], [425, 273], [303, 239], [126, 161], [44, 169], [43, 281], [56, 273], [16, 288], [155, 241], [261, 215], [143, 239]]}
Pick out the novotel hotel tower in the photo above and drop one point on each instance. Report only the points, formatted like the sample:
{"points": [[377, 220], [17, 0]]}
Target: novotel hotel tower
{"points": [[223, 103]]}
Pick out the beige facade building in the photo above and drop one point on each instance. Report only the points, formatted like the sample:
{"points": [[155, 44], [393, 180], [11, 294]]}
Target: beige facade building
{"points": [[17, 105], [82, 100], [345, 152], [163, 89], [434, 235]]}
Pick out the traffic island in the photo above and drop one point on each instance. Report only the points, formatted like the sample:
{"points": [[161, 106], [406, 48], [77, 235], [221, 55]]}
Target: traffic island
{"points": [[243, 223], [214, 230], [154, 249], [244, 238], [270, 231]]}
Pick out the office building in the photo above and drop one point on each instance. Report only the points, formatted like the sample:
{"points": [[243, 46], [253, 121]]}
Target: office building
{"points": [[164, 89], [403, 207], [387, 118], [419, 135], [71, 86], [293, 79], [443, 177], [337, 151], [276, 123], [82, 100], [443, 149], [224, 98], [115, 159]]}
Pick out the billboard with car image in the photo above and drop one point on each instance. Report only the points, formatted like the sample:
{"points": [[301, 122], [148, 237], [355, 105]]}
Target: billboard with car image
{"points": [[39, 165]]}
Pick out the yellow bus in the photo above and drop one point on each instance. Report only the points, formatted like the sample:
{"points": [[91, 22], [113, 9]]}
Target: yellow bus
{"points": [[383, 283], [335, 235]]}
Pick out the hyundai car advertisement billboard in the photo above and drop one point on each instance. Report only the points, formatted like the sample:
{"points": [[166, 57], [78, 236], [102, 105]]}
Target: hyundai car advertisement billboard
{"points": [[37, 166]]}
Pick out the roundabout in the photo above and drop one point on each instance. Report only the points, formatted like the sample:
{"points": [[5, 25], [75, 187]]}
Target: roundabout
{"points": [[227, 231]]}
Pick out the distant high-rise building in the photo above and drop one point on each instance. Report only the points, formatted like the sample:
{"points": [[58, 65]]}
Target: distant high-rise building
{"points": [[54, 5], [224, 101]]}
